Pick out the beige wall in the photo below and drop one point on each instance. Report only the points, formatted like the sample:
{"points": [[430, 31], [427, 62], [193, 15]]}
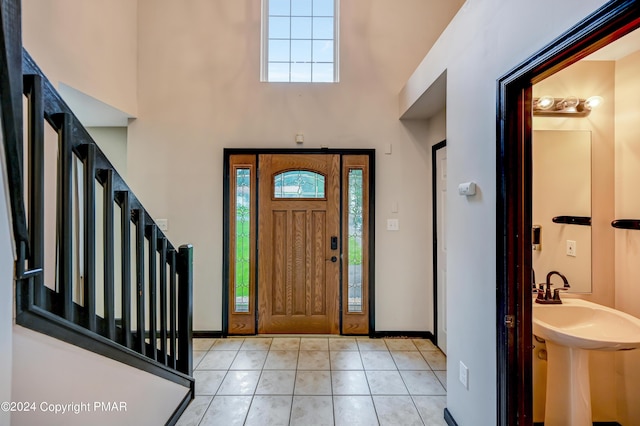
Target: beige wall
{"points": [[113, 143], [89, 45], [199, 92], [627, 206], [46, 370], [437, 128], [562, 187]]}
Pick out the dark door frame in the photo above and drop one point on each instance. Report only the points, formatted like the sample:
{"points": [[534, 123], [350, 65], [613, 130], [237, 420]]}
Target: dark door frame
{"points": [[434, 202], [514, 129], [228, 152]]}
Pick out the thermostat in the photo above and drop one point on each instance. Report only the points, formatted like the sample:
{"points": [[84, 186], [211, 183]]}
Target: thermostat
{"points": [[467, 188]]}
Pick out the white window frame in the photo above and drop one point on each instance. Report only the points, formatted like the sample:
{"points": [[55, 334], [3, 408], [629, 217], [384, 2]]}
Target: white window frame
{"points": [[264, 46]]}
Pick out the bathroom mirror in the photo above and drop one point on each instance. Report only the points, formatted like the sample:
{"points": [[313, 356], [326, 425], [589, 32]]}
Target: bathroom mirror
{"points": [[561, 189]]}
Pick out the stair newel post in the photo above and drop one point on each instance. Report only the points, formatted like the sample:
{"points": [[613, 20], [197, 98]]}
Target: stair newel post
{"points": [[185, 308]]}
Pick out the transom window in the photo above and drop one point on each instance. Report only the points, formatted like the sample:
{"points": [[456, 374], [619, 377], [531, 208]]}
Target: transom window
{"points": [[300, 41]]}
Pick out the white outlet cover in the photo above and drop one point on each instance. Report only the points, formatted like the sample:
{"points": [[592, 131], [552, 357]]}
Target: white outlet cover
{"points": [[393, 225], [163, 224]]}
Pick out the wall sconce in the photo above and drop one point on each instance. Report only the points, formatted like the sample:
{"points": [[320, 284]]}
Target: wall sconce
{"points": [[570, 106]]}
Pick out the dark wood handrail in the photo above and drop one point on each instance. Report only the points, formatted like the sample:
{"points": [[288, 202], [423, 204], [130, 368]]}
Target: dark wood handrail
{"points": [[75, 144], [163, 346], [11, 116], [57, 312]]}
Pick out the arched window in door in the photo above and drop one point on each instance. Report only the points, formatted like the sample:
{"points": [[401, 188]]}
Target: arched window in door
{"points": [[299, 184]]}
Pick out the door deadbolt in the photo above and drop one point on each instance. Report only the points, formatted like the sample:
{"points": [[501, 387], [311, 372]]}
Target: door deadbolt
{"points": [[334, 243]]}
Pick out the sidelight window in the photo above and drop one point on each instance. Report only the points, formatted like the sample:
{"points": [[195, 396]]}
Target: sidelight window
{"points": [[355, 245], [242, 277]]}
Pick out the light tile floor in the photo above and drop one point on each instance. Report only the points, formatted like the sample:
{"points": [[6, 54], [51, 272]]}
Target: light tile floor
{"points": [[311, 381]]}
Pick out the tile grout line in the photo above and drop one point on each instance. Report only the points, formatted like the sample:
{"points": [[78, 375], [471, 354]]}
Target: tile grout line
{"points": [[253, 396], [295, 379], [331, 371]]}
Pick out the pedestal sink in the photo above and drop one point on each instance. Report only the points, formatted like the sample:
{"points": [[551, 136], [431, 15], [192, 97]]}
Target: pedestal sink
{"points": [[571, 330]]}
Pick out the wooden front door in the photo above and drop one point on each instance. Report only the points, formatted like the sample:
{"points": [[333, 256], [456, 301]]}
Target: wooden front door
{"points": [[299, 243]]}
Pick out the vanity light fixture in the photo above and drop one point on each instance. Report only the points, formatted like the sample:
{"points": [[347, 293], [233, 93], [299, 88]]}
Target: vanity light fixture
{"points": [[571, 106]]}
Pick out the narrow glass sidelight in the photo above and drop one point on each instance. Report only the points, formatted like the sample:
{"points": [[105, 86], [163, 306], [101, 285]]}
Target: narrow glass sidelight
{"points": [[240, 244], [355, 240], [242, 277], [299, 184]]}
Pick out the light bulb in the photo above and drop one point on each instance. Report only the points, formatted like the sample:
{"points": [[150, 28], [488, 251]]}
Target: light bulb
{"points": [[593, 102], [545, 102]]}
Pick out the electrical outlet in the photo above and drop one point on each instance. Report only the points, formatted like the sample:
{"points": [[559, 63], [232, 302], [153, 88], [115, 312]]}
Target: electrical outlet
{"points": [[571, 248], [464, 375], [163, 224], [393, 225]]}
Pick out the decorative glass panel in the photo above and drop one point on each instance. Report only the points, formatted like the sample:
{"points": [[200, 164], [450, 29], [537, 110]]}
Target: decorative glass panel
{"points": [[298, 184], [355, 247], [243, 228]]}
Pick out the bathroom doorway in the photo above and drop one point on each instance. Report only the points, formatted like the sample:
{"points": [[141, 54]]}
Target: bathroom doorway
{"points": [[514, 220]]}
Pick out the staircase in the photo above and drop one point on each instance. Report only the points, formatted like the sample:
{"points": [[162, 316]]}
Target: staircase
{"points": [[116, 287]]}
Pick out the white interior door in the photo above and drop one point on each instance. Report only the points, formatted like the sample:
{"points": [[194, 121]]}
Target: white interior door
{"points": [[441, 265]]}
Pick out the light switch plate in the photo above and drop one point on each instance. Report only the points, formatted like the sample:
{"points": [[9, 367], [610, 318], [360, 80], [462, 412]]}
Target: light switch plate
{"points": [[393, 225]]}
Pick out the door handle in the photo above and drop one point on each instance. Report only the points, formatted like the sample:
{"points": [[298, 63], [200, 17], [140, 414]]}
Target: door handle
{"points": [[334, 259]]}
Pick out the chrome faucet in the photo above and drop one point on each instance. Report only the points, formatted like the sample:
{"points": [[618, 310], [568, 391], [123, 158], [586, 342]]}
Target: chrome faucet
{"points": [[546, 297]]}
